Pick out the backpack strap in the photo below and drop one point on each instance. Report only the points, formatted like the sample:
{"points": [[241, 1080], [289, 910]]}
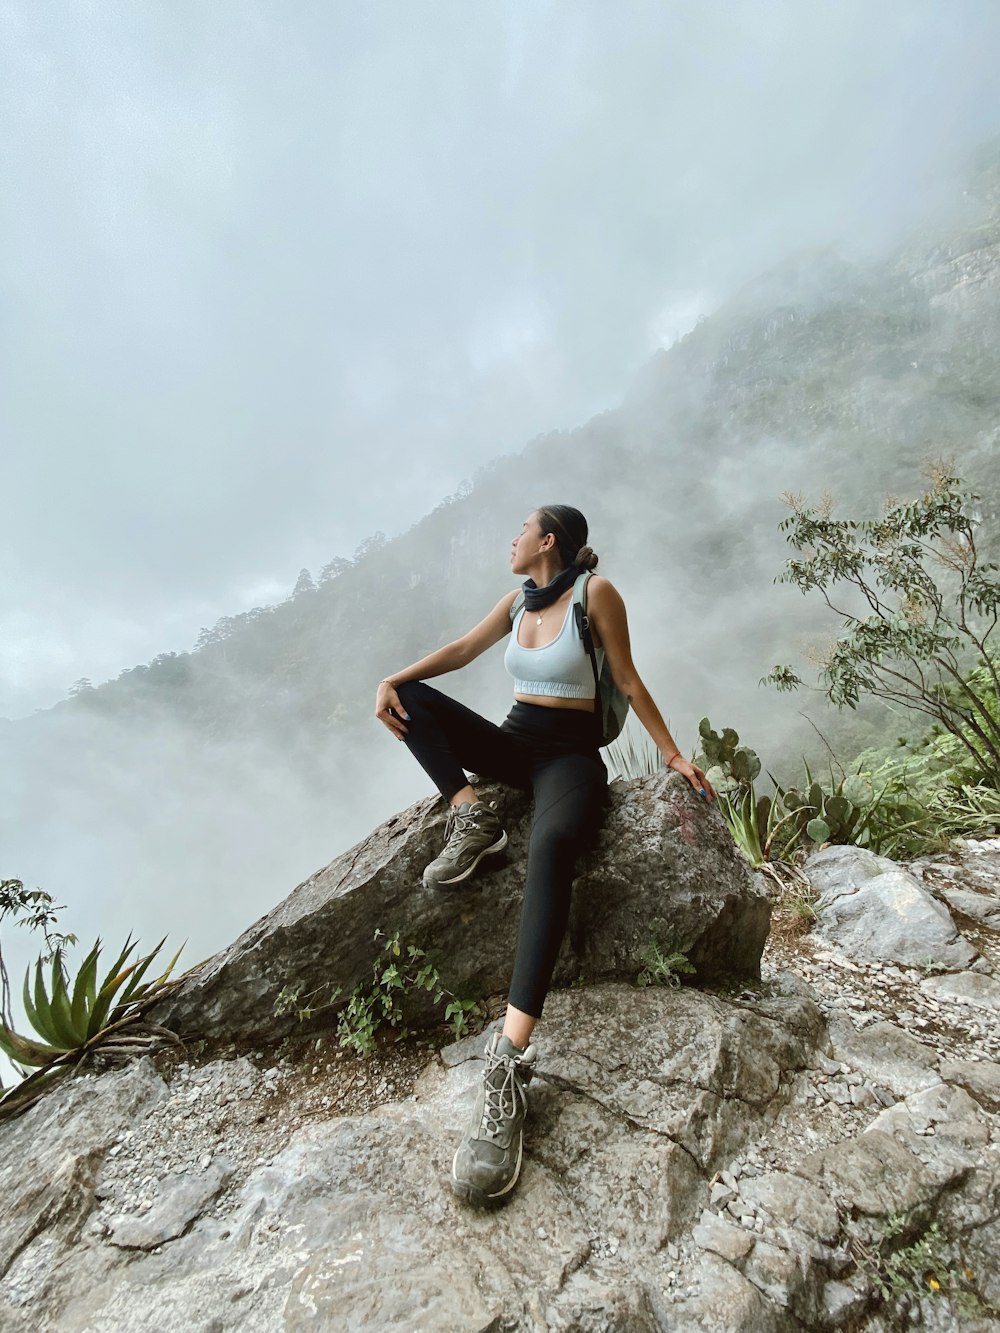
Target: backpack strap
{"points": [[583, 624]]}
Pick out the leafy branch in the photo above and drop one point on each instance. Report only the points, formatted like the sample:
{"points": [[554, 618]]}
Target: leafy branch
{"points": [[907, 649]]}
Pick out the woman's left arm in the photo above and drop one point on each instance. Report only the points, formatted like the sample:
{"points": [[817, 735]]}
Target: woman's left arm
{"points": [[606, 611]]}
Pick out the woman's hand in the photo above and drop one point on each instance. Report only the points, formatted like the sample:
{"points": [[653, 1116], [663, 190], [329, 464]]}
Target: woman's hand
{"points": [[389, 710], [693, 774]]}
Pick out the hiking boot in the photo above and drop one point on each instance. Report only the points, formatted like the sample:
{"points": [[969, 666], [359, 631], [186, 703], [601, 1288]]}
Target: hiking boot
{"points": [[472, 832], [487, 1162]]}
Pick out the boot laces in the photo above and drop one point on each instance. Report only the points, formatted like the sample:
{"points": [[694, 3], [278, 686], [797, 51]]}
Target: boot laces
{"points": [[457, 824], [501, 1097]]}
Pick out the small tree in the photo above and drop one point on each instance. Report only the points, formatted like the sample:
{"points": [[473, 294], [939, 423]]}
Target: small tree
{"points": [[37, 910], [304, 583], [907, 649]]}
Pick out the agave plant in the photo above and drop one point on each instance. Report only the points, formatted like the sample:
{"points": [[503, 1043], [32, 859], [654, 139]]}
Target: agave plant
{"points": [[632, 755], [72, 1019]]}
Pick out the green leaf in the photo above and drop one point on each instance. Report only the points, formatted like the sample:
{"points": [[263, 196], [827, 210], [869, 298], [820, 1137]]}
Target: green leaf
{"points": [[23, 1050], [111, 984], [62, 1015], [818, 830], [38, 1016], [85, 990], [132, 988]]}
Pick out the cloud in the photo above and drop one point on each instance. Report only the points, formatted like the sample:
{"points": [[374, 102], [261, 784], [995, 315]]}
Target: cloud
{"points": [[276, 278]]}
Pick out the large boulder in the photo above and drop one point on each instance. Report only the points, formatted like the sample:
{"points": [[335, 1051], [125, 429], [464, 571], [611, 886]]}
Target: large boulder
{"points": [[663, 864], [871, 908], [348, 1222]]}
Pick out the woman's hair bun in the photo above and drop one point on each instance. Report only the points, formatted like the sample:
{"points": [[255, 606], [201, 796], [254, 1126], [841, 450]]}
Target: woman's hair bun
{"points": [[586, 558]]}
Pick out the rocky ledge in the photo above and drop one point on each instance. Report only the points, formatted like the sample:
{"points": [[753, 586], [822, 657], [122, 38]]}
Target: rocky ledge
{"points": [[819, 1149]]}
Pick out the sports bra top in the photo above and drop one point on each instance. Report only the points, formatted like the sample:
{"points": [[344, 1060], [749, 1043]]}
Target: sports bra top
{"points": [[561, 668]]}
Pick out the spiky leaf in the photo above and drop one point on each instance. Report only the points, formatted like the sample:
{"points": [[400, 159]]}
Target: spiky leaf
{"points": [[62, 1014], [38, 1017], [23, 1050], [85, 990]]}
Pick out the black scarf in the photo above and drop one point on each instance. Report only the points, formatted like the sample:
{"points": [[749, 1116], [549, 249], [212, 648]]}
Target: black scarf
{"points": [[535, 598]]}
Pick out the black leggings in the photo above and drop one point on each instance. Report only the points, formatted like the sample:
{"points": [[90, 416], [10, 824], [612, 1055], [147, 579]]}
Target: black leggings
{"points": [[555, 753]]}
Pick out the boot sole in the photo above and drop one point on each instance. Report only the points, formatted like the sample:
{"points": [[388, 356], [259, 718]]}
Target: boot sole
{"points": [[498, 846], [479, 1198]]}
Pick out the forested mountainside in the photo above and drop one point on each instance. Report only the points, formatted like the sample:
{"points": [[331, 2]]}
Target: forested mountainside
{"points": [[254, 757]]}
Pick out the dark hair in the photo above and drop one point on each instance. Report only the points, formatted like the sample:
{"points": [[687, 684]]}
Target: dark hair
{"points": [[569, 527]]}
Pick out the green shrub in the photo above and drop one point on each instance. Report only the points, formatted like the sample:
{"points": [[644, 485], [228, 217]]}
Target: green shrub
{"points": [[378, 1004]]}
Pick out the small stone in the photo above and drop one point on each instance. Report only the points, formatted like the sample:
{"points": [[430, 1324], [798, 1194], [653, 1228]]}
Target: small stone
{"points": [[722, 1238]]}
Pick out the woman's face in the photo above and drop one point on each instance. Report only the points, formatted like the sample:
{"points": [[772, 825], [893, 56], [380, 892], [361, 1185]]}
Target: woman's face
{"points": [[524, 547]]}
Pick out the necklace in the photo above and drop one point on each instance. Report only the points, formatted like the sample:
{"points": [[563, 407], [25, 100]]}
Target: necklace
{"points": [[539, 620]]}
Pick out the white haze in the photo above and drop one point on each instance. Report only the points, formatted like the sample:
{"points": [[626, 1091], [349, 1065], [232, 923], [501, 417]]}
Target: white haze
{"points": [[276, 277]]}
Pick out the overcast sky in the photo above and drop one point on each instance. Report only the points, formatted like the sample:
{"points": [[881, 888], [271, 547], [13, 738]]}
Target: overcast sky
{"points": [[276, 275]]}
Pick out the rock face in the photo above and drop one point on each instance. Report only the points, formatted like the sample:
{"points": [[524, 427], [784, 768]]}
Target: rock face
{"points": [[879, 911], [816, 1151], [664, 864]]}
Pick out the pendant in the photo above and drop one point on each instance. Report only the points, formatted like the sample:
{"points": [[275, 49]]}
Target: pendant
{"points": [[538, 621]]}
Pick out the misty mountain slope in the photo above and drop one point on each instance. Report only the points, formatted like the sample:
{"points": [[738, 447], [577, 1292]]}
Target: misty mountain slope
{"points": [[257, 754]]}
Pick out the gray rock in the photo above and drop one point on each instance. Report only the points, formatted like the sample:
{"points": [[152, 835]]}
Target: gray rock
{"points": [[591, 1301], [180, 1200], [892, 917], [984, 907], [883, 1053], [664, 863], [873, 1172], [980, 1078], [52, 1153], [720, 1195], [791, 1201], [726, 1300], [730, 1242], [950, 1112], [778, 1273], [334, 1230], [842, 1305], [707, 1071], [838, 871], [641, 1096], [972, 988]]}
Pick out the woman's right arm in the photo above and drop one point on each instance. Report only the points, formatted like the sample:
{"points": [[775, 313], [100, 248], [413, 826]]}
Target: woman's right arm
{"points": [[459, 653]]}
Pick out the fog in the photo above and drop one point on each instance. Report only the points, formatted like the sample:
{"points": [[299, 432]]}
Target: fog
{"points": [[277, 278]]}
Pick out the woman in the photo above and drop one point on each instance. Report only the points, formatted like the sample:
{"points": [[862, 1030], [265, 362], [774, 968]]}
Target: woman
{"points": [[550, 742]]}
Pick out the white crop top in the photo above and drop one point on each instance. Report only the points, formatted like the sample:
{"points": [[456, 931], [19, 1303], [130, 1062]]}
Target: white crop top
{"points": [[561, 668]]}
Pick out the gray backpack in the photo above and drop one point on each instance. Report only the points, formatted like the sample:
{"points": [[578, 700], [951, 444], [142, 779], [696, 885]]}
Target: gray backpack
{"points": [[614, 705]]}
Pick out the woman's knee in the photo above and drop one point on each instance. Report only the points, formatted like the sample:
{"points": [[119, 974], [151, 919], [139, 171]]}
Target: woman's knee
{"points": [[413, 692]]}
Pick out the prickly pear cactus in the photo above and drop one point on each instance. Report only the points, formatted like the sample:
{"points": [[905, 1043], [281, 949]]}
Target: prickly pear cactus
{"points": [[728, 765]]}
